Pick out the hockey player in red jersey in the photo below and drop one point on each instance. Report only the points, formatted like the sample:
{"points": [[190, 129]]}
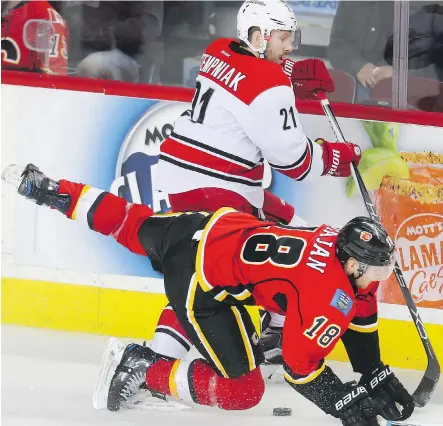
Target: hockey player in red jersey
{"points": [[216, 264], [28, 50], [242, 114]]}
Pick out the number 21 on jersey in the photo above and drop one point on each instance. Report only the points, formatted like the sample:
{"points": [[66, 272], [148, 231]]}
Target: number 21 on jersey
{"points": [[328, 333], [200, 103]]}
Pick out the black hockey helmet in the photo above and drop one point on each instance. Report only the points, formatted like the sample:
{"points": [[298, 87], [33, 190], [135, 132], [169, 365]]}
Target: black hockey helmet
{"points": [[366, 241]]}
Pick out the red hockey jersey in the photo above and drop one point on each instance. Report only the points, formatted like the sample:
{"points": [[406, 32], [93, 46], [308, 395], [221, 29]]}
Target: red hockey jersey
{"points": [[16, 52], [286, 270], [243, 260]]}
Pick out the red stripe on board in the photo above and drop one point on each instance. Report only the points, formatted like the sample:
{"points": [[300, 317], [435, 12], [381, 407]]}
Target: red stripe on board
{"points": [[118, 88]]}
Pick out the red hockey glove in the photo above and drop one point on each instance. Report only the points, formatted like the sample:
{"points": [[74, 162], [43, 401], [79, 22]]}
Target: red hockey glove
{"points": [[307, 77], [338, 156]]}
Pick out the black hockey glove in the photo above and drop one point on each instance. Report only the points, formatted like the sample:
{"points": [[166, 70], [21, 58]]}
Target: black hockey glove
{"points": [[383, 386], [38, 187], [354, 407]]}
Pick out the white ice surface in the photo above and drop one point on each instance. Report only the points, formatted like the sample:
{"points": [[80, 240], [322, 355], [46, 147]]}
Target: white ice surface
{"points": [[48, 378]]}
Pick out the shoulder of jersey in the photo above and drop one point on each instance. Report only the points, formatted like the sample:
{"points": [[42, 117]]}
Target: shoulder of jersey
{"points": [[257, 75]]}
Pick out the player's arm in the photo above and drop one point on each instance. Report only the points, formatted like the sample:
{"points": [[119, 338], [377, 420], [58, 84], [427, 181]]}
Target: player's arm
{"points": [[311, 339], [273, 124], [362, 345], [99, 210], [361, 338]]}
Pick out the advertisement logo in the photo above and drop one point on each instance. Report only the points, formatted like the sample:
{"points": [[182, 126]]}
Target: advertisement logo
{"points": [[138, 156], [419, 243]]}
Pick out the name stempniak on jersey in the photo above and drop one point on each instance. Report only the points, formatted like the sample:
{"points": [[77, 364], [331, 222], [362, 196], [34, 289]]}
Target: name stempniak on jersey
{"points": [[221, 71]]}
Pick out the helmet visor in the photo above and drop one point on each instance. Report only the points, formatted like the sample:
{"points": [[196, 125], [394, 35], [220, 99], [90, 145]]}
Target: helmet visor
{"points": [[380, 273], [296, 39], [291, 36]]}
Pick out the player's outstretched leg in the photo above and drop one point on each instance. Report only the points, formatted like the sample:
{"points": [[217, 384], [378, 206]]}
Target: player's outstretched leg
{"points": [[130, 374]]}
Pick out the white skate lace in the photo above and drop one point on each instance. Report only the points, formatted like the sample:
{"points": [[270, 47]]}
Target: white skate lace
{"points": [[132, 385]]}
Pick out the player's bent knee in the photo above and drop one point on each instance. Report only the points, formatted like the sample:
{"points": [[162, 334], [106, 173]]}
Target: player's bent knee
{"points": [[241, 393]]}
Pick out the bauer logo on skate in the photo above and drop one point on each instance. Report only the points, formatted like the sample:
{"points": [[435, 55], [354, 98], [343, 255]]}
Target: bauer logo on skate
{"points": [[419, 242], [138, 156]]}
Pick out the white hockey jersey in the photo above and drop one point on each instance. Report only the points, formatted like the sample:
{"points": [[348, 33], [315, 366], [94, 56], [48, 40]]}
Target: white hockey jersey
{"points": [[243, 112]]}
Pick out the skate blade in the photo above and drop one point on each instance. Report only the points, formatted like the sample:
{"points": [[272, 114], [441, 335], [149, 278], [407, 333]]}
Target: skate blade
{"points": [[145, 401], [111, 358]]}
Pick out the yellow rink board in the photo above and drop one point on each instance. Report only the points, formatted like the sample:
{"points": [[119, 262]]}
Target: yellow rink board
{"points": [[134, 314]]}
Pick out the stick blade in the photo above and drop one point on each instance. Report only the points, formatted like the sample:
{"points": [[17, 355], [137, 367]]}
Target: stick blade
{"points": [[427, 385]]}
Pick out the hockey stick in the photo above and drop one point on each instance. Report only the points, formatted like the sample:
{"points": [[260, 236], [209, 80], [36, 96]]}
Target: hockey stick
{"points": [[427, 385]]}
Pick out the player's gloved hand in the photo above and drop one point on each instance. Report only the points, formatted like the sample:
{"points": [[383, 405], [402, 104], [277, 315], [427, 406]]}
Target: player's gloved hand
{"points": [[38, 187], [354, 407], [308, 77], [383, 385], [338, 156]]}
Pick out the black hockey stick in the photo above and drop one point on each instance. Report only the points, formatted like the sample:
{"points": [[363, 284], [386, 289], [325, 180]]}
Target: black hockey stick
{"points": [[427, 385]]}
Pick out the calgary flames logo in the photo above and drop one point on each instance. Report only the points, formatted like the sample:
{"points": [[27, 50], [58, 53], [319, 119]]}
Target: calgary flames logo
{"points": [[365, 236]]}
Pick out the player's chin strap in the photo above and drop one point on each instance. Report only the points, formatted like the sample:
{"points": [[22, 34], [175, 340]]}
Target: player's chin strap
{"points": [[362, 268]]}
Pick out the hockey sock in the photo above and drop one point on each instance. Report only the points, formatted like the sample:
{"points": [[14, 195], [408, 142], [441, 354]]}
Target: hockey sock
{"points": [[170, 339], [196, 381]]}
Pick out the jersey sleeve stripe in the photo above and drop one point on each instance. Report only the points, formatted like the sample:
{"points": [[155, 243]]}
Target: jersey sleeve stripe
{"points": [[364, 328], [301, 168], [293, 165], [301, 380], [365, 320]]}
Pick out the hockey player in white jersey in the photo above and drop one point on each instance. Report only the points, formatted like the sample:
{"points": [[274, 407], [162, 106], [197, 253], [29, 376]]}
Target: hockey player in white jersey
{"points": [[243, 113]]}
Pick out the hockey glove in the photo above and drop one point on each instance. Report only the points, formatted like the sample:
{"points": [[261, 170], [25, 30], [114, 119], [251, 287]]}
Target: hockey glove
{"points": [[307, 77], [337, 157], [354, 407], [38, 187], [387, 389]]}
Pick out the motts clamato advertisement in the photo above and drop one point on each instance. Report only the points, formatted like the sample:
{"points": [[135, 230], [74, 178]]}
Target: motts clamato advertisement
{"points": [[409, 202]]}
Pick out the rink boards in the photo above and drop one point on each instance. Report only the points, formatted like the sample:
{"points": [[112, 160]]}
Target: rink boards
{"points": [[58, 275]]}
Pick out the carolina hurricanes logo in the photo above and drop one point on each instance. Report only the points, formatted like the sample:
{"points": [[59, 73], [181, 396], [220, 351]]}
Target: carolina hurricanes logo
{"points": [[365, 236]]}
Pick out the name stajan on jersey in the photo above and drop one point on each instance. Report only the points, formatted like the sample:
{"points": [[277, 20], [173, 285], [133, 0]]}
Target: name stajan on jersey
{"points": [[16, 55], [243, 113]]}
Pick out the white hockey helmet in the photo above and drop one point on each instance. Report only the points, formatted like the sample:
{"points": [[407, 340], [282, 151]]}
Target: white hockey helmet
{"points": [[268, 15]]}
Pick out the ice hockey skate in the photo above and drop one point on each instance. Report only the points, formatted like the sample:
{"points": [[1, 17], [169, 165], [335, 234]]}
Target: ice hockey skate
{"points": [[121, 380]]}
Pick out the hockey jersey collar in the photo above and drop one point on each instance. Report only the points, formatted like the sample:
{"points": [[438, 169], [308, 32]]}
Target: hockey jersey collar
{"points": [[235, 46]]}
